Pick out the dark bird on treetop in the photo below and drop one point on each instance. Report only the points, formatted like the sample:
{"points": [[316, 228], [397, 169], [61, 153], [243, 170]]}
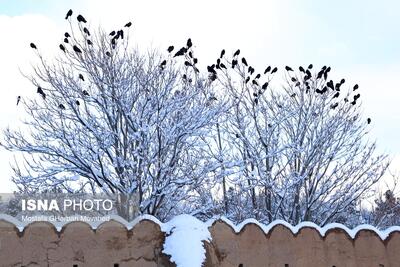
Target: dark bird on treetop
{"points": [[223, 66], [301, 69], [333, 106], [247, 79], [61, 106], [258, 76], [108, 54], [62, 48], [33, 46], [163, 63], [18, 99], [369, 120], [293, 95], [76, 49], [310, 66], [181, 52], [85, 30], [89, 42], [336, 95], [189, 43], [254, 82], [222, 53], [342, 81], [274, 70], [77, 103], [81, 77], [69, 14], [80, 18], [112, 33], [236, 53], [66, 40], [188, 64], [265, 85], [67, 35], [267, 69], [234, 63], [170, 48], [355, 87], [85, 93], [244, 61], [40, 91], [128, 24], [294, 79], [287, 68]]}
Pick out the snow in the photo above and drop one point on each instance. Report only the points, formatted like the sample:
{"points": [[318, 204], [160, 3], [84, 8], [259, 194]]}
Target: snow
{"points": [[184, 240]]}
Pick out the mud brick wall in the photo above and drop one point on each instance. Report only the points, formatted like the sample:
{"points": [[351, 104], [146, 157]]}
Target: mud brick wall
{"points": [[112, 245]]}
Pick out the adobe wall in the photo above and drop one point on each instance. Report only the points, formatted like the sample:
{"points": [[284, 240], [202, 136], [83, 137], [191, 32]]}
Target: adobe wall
{"points": [[111, 244]]}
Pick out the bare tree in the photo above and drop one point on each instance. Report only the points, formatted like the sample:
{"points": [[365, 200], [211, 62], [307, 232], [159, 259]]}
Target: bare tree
{"points": [[124, 123]]}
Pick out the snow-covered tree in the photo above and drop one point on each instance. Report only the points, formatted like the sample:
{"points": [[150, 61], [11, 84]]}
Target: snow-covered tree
{"points": [[126, 123]]}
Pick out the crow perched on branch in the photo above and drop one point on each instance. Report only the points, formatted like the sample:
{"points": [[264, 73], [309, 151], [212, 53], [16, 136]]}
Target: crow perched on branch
{"points": [[76, 49], [62, 48], [170, 48], [69, 14], [128, 24], [40, 91], [33, 46], [80, 18]]}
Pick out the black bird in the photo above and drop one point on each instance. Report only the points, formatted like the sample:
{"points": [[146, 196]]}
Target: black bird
{"points": [[287, 68], [170, 48], [320, 73], [274, 70], [18, 99], [258, 76], [66, 40], [108, 54], [333, 106], [223, 66], [236, 53], [234, 63], [120, 33], [308, 72], [357, 96], [294, 79], [222, 53], [81, 77], [265, 85], [189, 43], [77, 103], [254, 82], [40, 91], [195, 60], [162, 65], [293, 95], [353, 102], [128, 24], [369, 120], [330, 84], [80, 18], [355, 87], [181, 52], [267, 69], [244, 61], [310, 66], [67, 35], [69, 14], [89, 42], [251, 70], [76, 49], [211, 69], [301, 69], [188, 64], [33, 46], [342, 81], [336, 95], [85, 93], [247, 79], [112, 33], [62, 48], [328, 69], [85, 30], [61, 106]]}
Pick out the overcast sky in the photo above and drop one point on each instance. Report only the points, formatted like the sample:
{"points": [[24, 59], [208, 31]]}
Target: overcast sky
{"points": [[360, 40]]}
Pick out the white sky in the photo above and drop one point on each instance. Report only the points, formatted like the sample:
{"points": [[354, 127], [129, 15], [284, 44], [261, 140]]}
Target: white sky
{"points": [[359, 39]]}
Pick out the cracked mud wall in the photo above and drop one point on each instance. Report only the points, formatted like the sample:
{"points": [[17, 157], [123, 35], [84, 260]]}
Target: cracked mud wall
{"points": [[112, 245]]}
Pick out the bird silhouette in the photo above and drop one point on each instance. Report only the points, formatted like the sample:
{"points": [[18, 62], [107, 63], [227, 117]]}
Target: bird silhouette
{"points": [[76, 49], [187, 63], [244, 61], [267, 69], [301, 69], [336, 95], [66, 35], [66, 40], [333, 106], [211, 69], [287, 68], [234, 63], [18, 99], [85, 30], [294, 79], [61, 106], [77, 102], [251, 70], [236, 53], [170, 48], [293, 95], [69, 14], [254, 82], [355, 87], [120, 34], [81, 77], [89, 42], [108, 54], [342, 81], [265, 85], [357, 96], [85, 93], [128, 24], [310, 66], [258, 76], [195, 60], [180, 52], [222, 53], [189, 43], [223, 66], [162, 65], [33, 46], [274, 70], [112, 33], [41, 92], [369, 120], [80, 18], [247, 79], [62, 48]]}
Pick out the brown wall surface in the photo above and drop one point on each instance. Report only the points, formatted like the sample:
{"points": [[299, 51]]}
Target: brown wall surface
{"points": [[113, 245]]}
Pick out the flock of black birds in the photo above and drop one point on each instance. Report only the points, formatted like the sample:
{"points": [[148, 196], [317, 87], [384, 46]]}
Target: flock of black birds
{"points": [[212, 69]]}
